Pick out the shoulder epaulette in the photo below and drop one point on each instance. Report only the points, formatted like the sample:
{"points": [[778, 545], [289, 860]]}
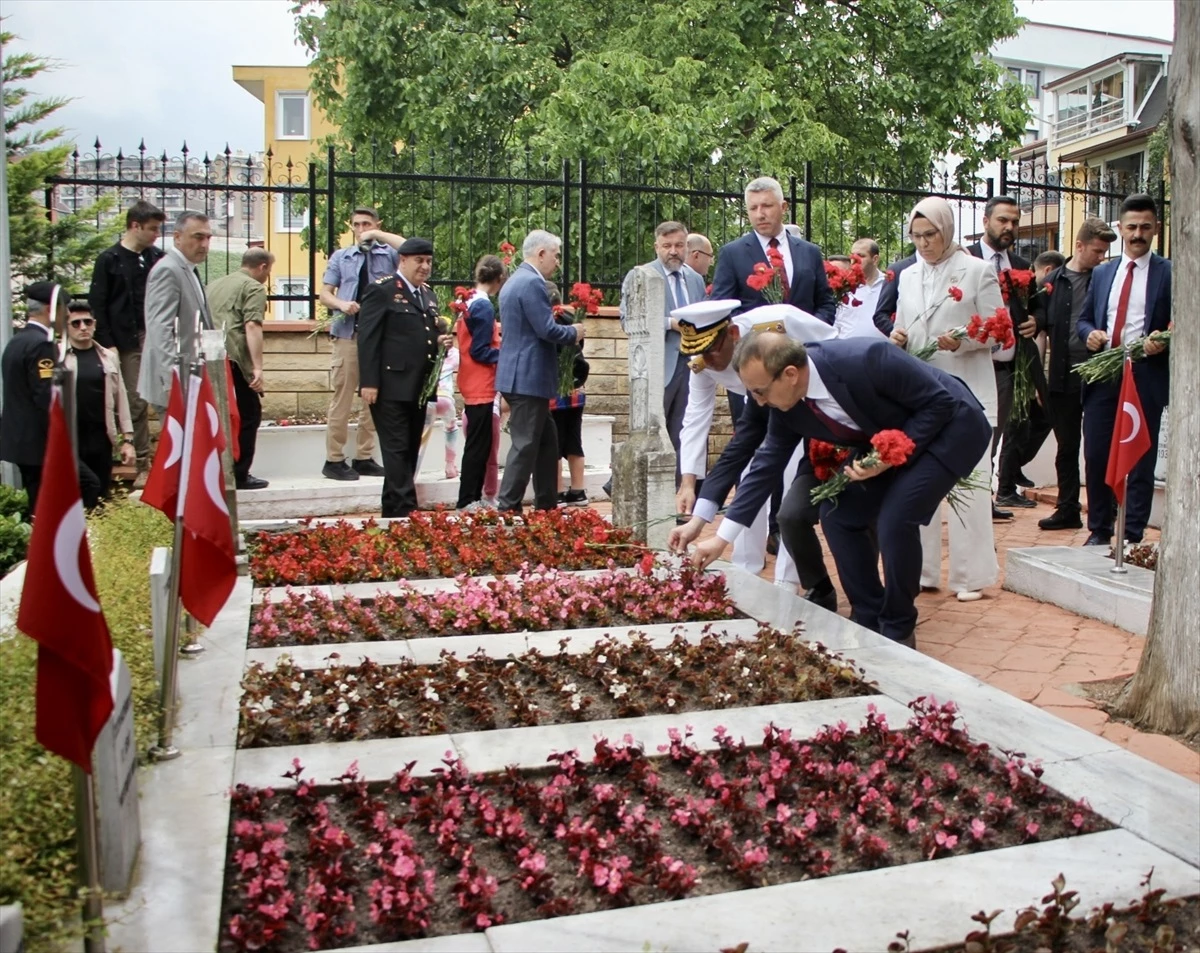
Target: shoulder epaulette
{"points": [[384, 280]]}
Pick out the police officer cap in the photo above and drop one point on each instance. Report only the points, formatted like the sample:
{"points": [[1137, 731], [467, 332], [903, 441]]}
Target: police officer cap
{"points": [[43, 291], [415, 246], [700, 323]]}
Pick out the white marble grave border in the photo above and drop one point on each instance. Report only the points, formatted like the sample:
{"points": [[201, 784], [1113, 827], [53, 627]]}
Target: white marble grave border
{"points": [[175, 903]]}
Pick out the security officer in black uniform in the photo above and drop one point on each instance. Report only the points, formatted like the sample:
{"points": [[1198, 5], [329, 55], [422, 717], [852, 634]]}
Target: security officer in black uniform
{"points": [[398, 336], [28, 366]]}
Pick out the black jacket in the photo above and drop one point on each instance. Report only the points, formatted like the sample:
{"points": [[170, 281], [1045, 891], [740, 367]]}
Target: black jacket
{"points": [[885, 307], [1053, 313], [28, 366], [397, 339], [117, 296]]}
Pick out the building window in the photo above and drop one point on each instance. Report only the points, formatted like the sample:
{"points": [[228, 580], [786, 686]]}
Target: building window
{"points": [[1033, 83], [292, 310], [1144, 75], [289, 218], [291, 116]]}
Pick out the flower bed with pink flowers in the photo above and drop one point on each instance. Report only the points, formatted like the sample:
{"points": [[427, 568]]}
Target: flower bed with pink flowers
{"points": [[530, 602], [616, 678], [324, 867], [440, 543]]}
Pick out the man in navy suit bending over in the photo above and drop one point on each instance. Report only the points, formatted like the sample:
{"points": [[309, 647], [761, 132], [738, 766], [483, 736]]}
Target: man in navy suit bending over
{"points": [[846, 391], [1128, 298]]}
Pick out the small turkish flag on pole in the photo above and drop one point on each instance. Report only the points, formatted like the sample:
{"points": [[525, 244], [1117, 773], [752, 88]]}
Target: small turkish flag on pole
{"points": [[61, 612], [1130, 439], [162, 483], [208, 560]]}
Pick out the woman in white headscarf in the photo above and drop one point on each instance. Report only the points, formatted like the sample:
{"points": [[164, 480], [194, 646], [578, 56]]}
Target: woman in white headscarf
{"points": [[939, 293]]}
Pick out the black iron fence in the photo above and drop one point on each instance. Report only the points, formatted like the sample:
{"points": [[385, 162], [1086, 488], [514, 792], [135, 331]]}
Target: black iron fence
{"points": [[605, 211]]}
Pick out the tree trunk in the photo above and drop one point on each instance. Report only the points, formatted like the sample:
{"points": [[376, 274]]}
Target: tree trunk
{"points": [[1164, 695]]}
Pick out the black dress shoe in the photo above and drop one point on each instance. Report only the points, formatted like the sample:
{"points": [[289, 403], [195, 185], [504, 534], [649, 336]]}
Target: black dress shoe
{"points": [[252, 483], [367, 467], [1062, 519], [909, 641], [338, 471], [1000, 515], [773, 544], [1022, 480], [1098, 539], [1015, 499], [824, 596]]}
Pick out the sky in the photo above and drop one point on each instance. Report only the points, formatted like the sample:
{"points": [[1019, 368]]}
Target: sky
{"points": [[161, 92]]}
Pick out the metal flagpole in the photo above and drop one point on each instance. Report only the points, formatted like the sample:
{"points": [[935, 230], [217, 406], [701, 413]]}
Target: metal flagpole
{"points": [[1118, 565], [84, 784]]}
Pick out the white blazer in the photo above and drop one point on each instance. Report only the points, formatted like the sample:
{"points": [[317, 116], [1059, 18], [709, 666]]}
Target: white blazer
{"points": [[928, 315]]}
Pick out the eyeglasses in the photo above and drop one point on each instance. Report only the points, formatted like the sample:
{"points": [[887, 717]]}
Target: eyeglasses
{"points": [[923, 236], [706, 254], [761, 392], [82, 322]]}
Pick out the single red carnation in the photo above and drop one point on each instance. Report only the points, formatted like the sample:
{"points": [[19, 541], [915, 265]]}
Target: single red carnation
{"points": [[956, 293], [1048, 287], [891, 275], [893, 446]]}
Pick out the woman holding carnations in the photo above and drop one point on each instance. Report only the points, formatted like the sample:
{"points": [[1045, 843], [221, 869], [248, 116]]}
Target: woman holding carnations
{"points": [[478, 334], [937, 298]]}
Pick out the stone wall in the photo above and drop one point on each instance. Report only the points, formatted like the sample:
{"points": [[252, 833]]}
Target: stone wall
{"points": [[296, 371]]}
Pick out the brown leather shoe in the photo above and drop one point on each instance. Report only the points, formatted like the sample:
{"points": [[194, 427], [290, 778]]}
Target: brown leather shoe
{"points": [[139, 481]]}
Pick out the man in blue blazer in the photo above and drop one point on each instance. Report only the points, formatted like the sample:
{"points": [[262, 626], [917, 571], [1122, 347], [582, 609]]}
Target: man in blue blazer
{"points": [[807, 287], [527, 374], [846, 391], [1127, 299]]}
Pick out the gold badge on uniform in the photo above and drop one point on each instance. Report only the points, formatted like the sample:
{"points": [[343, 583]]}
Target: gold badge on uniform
{"points": [[45, 368], [697, 364]]}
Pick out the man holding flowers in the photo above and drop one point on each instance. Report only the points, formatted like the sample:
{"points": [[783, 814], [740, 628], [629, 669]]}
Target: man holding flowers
{"points": [[914, 430]]}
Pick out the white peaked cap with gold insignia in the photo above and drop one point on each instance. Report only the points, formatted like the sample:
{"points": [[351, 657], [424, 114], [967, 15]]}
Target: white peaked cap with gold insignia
{"points": [[786, 319], [700, 323]]}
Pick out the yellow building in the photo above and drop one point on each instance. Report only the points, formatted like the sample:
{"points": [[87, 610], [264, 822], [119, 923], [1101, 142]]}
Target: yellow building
{"points": [[293, 124]]}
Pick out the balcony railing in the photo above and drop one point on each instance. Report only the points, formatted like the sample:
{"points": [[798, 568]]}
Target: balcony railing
{"points": [[1090, 122]]}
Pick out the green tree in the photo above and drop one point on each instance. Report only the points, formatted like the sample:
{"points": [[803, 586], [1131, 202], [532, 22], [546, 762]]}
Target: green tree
{"points": [[65, 249], [877, 85]]}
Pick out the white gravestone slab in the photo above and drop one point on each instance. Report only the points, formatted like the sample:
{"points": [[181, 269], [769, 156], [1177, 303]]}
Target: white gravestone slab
{"points": [[160, 604], [1160, 465], [116, 758]]}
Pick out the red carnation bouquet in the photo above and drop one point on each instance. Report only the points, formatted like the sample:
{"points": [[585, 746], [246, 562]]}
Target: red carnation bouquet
{"points": [[997, 329], [583, 299], [766, 278], [1020, 283], [843, 282], [892, 447], [506, 252], [827, 458]]}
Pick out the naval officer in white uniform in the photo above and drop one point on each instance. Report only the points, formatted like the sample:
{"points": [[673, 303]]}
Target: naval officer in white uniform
{"points": [[709, 334]]}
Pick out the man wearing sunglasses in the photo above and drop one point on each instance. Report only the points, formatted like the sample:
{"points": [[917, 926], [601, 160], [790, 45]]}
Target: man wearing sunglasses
{"points": [[102, 419]]}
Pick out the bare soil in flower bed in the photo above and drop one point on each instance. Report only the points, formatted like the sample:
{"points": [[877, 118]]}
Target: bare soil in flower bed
{"points": [[440, 543], [624, 678], [321, 867], [533, 602]]}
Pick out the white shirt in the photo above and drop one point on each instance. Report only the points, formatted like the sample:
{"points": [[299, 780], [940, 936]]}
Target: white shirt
{"points": [[784, 249], [858, 320], [677, 287], [1135, 311], [819, 394], [990, 253]]}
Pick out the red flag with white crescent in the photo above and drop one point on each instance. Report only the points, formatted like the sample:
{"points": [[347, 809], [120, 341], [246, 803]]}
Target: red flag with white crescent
{"points": [[1130, 439], [162, 483], [208, 560], [61, 611]]}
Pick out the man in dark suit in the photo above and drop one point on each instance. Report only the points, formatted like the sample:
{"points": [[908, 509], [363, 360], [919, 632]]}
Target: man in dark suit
{"points": [[846, 391], [1127, 299], [885, 307], [28, 366], [1001, 217], [398, 336], [527, 374]]}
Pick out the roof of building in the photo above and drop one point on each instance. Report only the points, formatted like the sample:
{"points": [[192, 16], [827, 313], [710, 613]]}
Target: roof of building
{"points": [[1087, 70], [1079, 29]]}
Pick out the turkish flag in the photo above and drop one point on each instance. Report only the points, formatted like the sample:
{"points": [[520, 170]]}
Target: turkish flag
{"points": [[208, 558], [162, 483], [1130, 441], [61, 612], [235, 417]]}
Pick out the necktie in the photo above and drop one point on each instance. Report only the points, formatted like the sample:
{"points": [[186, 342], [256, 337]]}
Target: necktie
{"points": [[364, 278], [783, 278], [840, 432], [679, 291], [205, 321], [998, 263], [1122, 306]]}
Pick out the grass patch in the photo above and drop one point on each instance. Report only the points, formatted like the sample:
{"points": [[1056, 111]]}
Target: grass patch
{"points": [[37, 823]]}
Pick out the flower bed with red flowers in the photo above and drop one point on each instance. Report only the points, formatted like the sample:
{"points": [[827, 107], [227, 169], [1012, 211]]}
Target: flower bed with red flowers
{"points": [[318, 868], [616, 678], [532, 602], [440, 543]]}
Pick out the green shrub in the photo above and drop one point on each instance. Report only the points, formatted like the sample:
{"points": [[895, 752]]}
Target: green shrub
{"points": [[37, 826], [14, 531], [12, 501]]}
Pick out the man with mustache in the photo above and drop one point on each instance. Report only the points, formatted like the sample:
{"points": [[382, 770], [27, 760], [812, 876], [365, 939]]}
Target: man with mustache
{"points": [[1128, 298]]}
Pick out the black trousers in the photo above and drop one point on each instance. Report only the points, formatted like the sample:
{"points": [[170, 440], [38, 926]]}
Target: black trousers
{"points": [[798, 517], [477, 449], [1022, 441], [249, 405], [534, 453], [737, 403], [31, 479], [95, 468], [399, 424], [1004, 395], [1066, 414]]}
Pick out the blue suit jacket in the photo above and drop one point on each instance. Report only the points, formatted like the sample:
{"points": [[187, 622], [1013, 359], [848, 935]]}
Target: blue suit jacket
{"points": [[881, 388], [530, 337], [809, 290], [1153, 373], [694, 283]]}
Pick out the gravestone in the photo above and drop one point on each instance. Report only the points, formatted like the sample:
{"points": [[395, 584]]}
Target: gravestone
{"points": [[160, 604], [643, 466], [1160, 465], [11, 928], [116, 757]]}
